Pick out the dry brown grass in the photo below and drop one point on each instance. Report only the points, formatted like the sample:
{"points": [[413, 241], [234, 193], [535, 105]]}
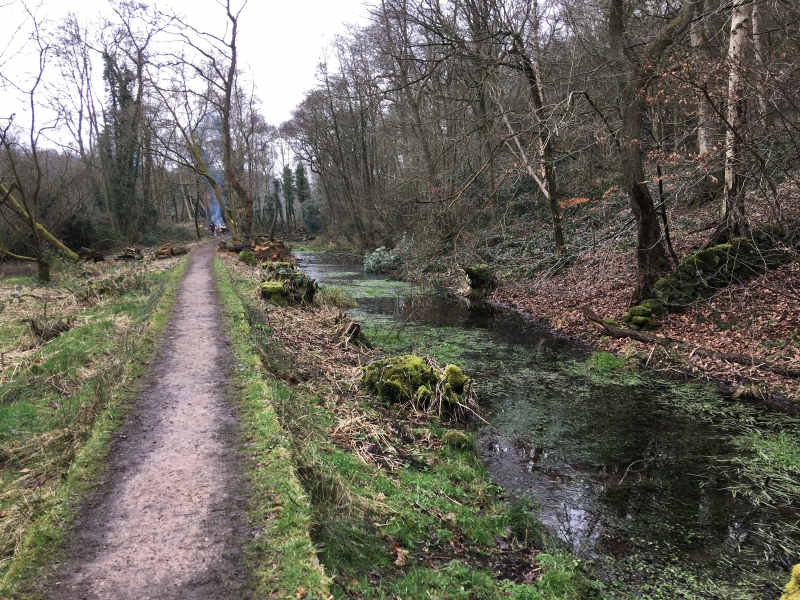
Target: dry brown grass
{"points": [[330, 369]]}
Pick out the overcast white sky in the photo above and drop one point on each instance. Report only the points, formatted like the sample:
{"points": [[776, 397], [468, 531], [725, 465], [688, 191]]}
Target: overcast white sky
{"points": [[281, 42]]}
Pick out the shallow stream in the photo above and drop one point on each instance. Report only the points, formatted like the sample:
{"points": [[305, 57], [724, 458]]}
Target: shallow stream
{"points": [[632, 473]]}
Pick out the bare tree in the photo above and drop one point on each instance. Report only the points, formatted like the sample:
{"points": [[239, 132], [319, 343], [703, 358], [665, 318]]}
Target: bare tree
{"points": [[639, 69], [21, 179]]}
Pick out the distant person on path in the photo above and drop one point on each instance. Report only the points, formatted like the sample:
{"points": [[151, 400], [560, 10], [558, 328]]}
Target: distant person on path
{"points": [[213, 228]]}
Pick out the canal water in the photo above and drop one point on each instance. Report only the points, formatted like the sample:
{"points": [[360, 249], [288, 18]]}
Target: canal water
{"points": [[655, 484]]}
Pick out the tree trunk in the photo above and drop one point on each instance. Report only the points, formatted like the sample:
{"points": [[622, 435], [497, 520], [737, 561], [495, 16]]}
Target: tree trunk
{"points": [[545, 141], [707, 132], [733, 200], [274, 218], [245, 225], [651, 260], [760, 43]]}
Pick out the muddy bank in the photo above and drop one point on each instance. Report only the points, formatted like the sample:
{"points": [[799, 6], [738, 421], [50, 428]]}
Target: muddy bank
{"points": [[167, 521]]}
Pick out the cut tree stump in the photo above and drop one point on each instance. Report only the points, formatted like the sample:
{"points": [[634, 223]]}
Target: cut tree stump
{"points": [[165, 251], [352, 334]]}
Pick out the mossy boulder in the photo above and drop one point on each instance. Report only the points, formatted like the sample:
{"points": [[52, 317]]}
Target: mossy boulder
{"points": [[273, 291], [400, 378], [792, 590], [247, 257], [456, 439], [657, 309], [481, 280], [639, 317], [455, 379], [640, 311], [702, 274], [443, 391]]}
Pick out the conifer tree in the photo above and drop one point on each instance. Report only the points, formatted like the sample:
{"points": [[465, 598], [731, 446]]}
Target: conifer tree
{"points": [[289, 194], [302, 188]]}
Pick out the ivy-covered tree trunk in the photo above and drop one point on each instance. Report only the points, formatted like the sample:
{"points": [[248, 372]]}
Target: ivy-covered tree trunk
{"points": [[120, 150]]}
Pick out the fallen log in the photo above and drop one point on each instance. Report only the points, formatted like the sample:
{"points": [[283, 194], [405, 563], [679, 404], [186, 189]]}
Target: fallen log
{"points": [[131, 253], [88, 254], [649, 338]]}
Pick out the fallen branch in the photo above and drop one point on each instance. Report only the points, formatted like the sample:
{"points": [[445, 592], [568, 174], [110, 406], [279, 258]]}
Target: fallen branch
{"points": [[649, 338]]}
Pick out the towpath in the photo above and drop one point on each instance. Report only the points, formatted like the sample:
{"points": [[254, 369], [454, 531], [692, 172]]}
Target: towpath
{"points": [[168, 520]]}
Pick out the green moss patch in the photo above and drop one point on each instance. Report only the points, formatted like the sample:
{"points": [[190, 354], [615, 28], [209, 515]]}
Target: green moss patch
{"points": [[247, 257], [703, 273], [296, 286], [792, 591], [444, 391], [400, 378], [281, 554]]}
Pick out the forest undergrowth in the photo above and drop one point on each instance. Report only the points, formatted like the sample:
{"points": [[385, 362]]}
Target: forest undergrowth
{"points": [[401, 504]]}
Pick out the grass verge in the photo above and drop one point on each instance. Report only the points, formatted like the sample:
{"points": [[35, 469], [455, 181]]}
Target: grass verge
{"points": [[281, 555], [398, 504], [61, 403]]}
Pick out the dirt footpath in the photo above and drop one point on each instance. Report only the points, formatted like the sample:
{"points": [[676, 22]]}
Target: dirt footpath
{"points": [[168, 522]]}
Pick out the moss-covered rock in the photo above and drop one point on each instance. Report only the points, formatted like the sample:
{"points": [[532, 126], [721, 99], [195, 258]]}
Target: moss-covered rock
{"points": [[400, 378], [640, 311], [273, 291], [455, 378], [456, 439], [247, 257], [703, 273], [481, 280], [792, 590], [422, 381], [656, 308], [639, 317]]}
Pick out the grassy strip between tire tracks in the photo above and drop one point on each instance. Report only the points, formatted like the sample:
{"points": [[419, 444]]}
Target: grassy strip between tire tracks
{"points": [[60, 410], [390, 506], [282, 557]]}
